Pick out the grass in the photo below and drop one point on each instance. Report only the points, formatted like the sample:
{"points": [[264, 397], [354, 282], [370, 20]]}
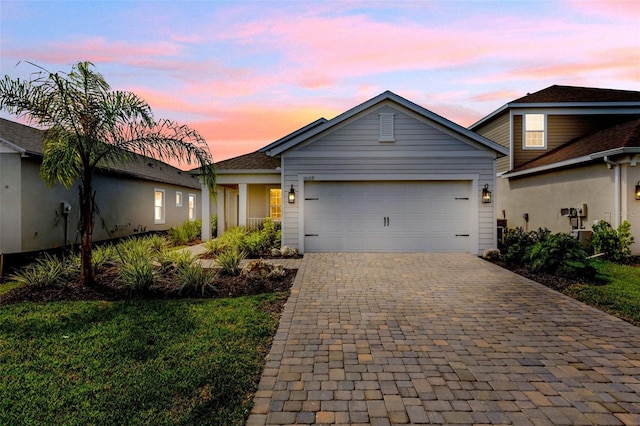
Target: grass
{"points": [[619, 297], [162, 362]]}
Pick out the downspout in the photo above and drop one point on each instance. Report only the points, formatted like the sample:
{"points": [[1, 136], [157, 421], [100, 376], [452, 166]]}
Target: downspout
{"points": [[616, 190]]}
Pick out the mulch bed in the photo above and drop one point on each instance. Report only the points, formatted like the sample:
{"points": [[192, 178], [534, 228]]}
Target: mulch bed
{"points": [[108, 289], [552, 281]]}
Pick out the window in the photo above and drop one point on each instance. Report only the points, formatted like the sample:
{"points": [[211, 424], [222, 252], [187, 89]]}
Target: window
{"points": [[534, 131], [192, 206], [158, 206], [275, 203], [386, 127], [178, 199]]}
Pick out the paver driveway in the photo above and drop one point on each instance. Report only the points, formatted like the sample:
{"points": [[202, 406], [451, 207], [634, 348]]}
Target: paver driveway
{"points": [[442, 338]]}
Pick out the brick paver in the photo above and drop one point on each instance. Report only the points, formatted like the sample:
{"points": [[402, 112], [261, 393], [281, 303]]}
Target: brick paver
{"points": [[442, 338]]}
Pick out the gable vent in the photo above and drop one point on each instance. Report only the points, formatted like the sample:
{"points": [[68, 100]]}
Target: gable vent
{"points": [[386, 127]]}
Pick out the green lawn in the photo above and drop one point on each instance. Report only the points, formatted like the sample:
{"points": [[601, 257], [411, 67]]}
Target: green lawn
{"points": [[619, 297], [176, 362]]}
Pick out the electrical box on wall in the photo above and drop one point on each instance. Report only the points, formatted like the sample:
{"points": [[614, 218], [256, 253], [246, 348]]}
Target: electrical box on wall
{"points": [[582, 210]]}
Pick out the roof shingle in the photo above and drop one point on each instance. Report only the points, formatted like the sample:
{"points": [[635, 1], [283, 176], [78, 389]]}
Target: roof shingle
{"points": [[572, 94], [30, 140], [253, 161]]}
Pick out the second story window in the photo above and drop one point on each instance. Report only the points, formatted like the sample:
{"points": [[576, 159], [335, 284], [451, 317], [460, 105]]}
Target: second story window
{"points": [[534, 136]]}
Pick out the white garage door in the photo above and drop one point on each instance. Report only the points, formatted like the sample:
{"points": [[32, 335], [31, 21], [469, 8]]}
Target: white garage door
{"points": [[387, 216]]}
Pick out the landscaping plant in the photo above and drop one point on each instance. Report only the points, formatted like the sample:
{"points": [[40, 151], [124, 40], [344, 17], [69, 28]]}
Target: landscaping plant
{"points": [[559, 254], [229, 261], [614, 243], [187, 233], [46, 271]]}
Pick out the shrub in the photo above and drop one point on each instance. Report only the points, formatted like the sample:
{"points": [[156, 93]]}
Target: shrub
{"points": [[186, 233], [136, 270], [256, 243], [193, 278], [175, 259], [559, 254], [215, 246], [613, 243], [46, 271], [101, 256], [156, 243], [229, 261], [517, 243]]}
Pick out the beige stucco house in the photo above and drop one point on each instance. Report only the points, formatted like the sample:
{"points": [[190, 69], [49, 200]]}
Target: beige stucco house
{"points": [[145, 196], [387, 175], [573, 160]]}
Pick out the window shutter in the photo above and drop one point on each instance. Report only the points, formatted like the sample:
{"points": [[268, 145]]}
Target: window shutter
{"points": [[386, 127]]}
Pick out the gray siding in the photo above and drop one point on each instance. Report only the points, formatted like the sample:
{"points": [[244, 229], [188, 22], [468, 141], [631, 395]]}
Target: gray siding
{"points": [[498, 131], [363, 134], [385, 168]]}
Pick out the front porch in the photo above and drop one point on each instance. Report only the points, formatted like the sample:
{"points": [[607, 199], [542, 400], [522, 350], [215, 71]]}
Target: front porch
{"points": [[248, 190]]}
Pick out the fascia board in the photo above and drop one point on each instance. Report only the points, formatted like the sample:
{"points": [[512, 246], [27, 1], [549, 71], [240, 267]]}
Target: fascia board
{"points": [[13, 146], [401, 101], [548, 167]]}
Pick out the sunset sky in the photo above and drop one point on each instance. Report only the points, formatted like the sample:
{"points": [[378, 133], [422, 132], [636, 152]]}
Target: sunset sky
{"points": [[245, 73]]}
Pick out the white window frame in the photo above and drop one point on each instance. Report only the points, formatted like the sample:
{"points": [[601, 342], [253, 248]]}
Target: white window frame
{"points": [[192, 209], [387, 129], [159, 219], [525, 131], [178, 199]]}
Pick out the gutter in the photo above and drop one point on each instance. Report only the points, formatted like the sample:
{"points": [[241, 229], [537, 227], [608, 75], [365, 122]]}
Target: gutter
{"points": [[616, 189]]}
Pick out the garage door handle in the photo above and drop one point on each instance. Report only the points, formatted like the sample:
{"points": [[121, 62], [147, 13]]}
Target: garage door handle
{"points": [[385, 221], [310, 235], [462, 235]]}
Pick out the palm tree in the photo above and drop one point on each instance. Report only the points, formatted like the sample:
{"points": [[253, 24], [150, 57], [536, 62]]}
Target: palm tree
{"points": [[89, 126]]}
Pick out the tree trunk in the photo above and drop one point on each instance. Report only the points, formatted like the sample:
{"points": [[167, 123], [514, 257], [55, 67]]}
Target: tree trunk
{"points": [[88, 275]]}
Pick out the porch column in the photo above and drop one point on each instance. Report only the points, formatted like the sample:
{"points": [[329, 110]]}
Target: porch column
{"points": [[220, 201], [242, 204], [206, 213]]}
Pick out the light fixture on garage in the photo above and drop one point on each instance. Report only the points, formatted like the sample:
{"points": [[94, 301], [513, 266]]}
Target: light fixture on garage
{"points": [[638, 190], [486, 194], [292, 195]]}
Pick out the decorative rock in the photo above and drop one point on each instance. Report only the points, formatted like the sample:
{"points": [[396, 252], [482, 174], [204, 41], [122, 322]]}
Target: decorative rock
{"points": [[491, 254], [259, 269], [289, 251], [276, 252]]}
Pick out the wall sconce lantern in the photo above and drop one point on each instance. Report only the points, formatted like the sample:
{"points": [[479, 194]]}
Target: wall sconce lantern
{"points": [[486, 194], [638, 190], [292, 195]]}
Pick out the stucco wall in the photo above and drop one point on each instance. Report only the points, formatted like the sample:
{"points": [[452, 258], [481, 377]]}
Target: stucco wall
{"points": [[10, 204], [543, 196], [125, 204]]}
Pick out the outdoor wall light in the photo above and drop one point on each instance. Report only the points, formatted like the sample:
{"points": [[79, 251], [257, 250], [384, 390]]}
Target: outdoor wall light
{"points": [[486, 194], [292, 195], [638, 190]]}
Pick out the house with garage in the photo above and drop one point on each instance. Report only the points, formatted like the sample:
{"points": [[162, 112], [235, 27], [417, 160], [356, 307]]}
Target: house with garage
{"points": [[573, 160], [147, 195], [385, 176]]}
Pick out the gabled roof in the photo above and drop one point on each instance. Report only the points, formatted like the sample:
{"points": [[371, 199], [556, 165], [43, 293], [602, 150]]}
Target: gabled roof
{"points": [[286, 143], [568, 96], [621, 139], [28, 141]]}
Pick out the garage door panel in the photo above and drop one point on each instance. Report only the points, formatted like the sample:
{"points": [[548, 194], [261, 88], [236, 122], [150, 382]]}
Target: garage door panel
{"points": [[387, 216]]}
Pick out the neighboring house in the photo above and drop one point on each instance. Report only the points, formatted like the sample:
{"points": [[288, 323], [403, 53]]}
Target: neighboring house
{"points": [[574, 152], [387, 175], [144, 196]]}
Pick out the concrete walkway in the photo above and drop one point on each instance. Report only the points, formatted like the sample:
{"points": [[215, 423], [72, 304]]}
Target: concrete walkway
{"points": [[442, 338]]}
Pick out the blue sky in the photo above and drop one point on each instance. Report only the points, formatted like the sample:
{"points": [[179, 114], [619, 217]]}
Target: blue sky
{"points": [[246, 73]]}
